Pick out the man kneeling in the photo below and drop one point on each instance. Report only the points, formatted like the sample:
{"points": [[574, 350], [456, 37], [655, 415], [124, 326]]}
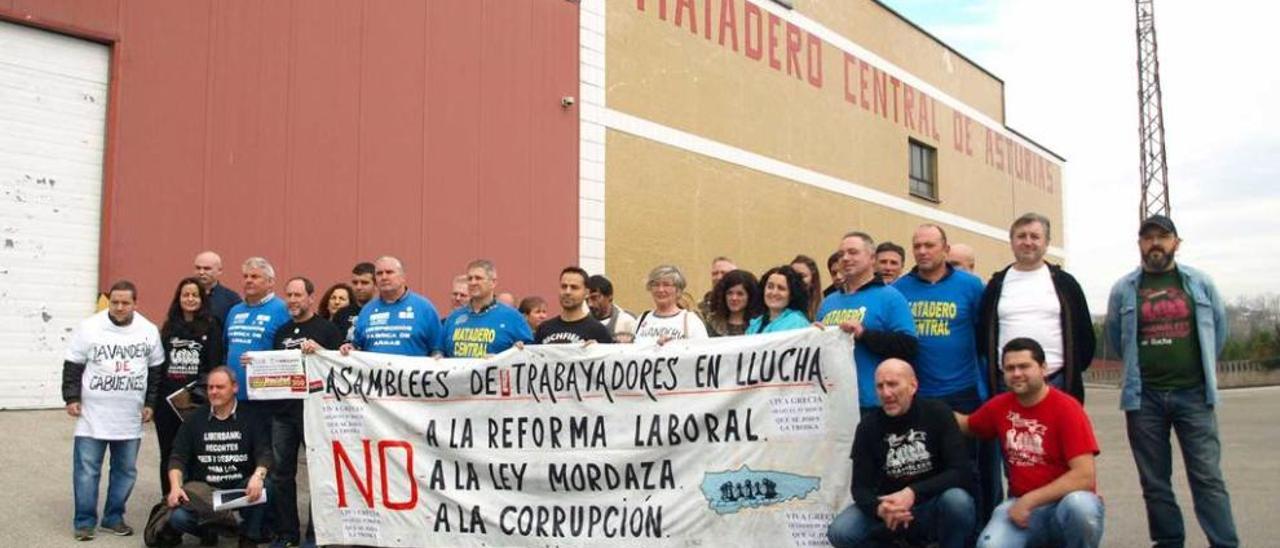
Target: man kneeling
{"points": [[1049, 448], [219, 448], [910, 470]]}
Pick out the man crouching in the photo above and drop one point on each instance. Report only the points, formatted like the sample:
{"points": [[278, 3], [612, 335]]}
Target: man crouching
{"points": [[910, 471], [219, 447]]}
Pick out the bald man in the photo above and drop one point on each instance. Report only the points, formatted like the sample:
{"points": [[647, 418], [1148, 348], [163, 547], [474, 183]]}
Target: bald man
{"points": [[911, 474], [397, 321], [962, 258], [208, 266]]}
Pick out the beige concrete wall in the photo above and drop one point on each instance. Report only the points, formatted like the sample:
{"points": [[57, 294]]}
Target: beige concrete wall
{"points": [[874, 27], [665, 205]]}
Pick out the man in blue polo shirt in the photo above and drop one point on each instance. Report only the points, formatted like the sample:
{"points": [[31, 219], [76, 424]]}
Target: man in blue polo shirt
{"points": [[945, 303], [252, 324], [398, 321], [485, 326], [876, 315]]}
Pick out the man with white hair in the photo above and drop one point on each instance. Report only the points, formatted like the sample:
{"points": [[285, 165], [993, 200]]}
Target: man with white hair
{"points": [[252, 324]]}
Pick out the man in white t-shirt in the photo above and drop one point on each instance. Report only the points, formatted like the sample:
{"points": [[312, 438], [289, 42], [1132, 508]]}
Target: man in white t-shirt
{"points": [[110, 378], [1034, 299]]}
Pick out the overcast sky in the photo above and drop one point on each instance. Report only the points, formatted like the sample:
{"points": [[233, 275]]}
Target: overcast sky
{"points": [[1071, 84]]}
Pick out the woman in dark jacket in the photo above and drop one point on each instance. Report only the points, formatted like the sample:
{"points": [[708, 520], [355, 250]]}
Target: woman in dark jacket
{"points": [[193, 345]]}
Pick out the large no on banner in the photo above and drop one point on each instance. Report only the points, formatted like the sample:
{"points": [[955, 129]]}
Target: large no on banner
{"points": [[740, 440]]}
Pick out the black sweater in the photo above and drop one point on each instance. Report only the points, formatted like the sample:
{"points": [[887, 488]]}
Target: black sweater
{"points": [[921, 449], [222, 453]]}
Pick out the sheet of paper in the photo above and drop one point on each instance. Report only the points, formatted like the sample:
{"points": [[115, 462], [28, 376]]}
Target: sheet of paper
{"points": [[276, 375], [234, 499]]}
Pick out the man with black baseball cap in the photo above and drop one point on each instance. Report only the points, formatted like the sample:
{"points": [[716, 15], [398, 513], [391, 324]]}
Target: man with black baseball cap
{"points": [[1169, 324]]}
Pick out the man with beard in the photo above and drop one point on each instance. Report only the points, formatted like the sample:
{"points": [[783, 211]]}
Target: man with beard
{"points": [[1169, 324], [1049, 451], [574, 324], [620, 323]]}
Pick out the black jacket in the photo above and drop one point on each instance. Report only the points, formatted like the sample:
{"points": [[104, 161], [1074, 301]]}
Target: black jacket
{"points": [[1077, 329]]}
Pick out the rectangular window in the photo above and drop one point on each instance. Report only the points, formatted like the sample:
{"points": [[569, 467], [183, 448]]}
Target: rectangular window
{"points": [[923, 170]]}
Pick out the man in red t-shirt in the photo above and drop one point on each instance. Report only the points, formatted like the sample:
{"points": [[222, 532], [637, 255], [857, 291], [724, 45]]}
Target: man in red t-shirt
{"points": [[1049, 448]]}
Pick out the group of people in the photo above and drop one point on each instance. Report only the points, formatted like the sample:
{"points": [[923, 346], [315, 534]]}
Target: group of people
{"points": [[938, 355]]}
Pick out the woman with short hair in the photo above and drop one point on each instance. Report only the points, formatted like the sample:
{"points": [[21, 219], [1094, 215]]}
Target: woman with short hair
{"points": [[670, 318]]}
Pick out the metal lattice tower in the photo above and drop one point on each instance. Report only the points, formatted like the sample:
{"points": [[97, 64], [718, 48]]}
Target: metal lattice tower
{"points": [[1155, 173]]}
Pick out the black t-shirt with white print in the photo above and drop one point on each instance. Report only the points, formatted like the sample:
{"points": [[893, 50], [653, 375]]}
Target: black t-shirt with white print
{"points": [[558, 331], [322, 331]]}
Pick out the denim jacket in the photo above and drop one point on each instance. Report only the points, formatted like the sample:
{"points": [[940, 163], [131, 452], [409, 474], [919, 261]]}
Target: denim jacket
{"points": [[1122, 330]]}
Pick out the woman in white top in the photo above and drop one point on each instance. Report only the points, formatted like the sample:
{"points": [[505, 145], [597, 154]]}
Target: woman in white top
{"points": [[667, 320]]}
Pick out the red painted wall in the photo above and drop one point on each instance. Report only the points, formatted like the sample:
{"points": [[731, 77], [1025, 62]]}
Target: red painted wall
{"points": [[320, 133]]}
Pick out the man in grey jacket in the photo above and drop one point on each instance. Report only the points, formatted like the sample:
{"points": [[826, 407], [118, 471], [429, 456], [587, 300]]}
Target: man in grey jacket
{"points": [[1169, 324]]}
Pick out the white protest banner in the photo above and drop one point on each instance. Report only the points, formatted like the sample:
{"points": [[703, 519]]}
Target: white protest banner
{"points": [[276, 375], [722, 442]]}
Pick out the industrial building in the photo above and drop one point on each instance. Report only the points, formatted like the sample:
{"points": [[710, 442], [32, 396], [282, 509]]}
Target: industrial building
{"points": [[614, 134]]}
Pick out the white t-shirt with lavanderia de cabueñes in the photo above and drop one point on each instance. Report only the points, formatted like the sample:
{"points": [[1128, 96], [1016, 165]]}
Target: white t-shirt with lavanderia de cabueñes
{"points": [[114, 385]]}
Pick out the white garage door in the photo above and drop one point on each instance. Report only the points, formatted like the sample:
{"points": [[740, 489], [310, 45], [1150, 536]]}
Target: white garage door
{"points": [[53, 105]]}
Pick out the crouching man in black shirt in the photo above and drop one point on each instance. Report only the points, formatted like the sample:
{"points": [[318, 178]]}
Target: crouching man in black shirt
{"points": [[910, 471], [219, 447]]}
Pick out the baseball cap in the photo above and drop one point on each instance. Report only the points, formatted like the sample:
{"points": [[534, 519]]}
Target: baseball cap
{"points": [[1159, 221]]}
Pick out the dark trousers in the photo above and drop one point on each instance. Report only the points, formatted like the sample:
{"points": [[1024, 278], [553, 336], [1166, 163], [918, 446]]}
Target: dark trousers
{"points": [[984, 457], [167, 424], [286, 438]]}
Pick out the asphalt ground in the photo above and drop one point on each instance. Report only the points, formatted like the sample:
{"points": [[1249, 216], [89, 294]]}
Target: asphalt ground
{"points": [[36, 505]]}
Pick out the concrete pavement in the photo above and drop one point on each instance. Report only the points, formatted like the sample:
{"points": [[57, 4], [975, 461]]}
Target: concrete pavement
{"points": [[35, 468]]}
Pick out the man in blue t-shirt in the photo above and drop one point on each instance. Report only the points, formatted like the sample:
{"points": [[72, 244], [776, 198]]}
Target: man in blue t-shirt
{"points": [[945, 303], [397, 321], [252, 324], [485, 326], [876, 315]]}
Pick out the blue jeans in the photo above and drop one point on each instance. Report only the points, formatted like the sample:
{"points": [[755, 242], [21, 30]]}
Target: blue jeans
{"points": [[1074, 522], [86, 473], [252, 518], [1196, 426], [946, 518]]}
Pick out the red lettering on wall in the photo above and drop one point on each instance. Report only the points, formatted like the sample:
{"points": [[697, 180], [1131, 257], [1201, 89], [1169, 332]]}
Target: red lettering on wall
{"points": [[793, 51], [813, 50], [706, 19], [849, 61], [909, 106], [879, 93], [365, 488], [863, 70], [728, 20], [753, 27], [383, 447], [896, 84], [683, 6], [774, 62]]}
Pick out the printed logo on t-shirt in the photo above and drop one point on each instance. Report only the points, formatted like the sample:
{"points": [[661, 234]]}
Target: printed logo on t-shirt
{"points": [[292, 343], [472, 342], [933, 318], [406, 314], [379, 318], [908, 454], [1165, 316], [562, 337], [1024, 441], [837, 317], [184, 357]]}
